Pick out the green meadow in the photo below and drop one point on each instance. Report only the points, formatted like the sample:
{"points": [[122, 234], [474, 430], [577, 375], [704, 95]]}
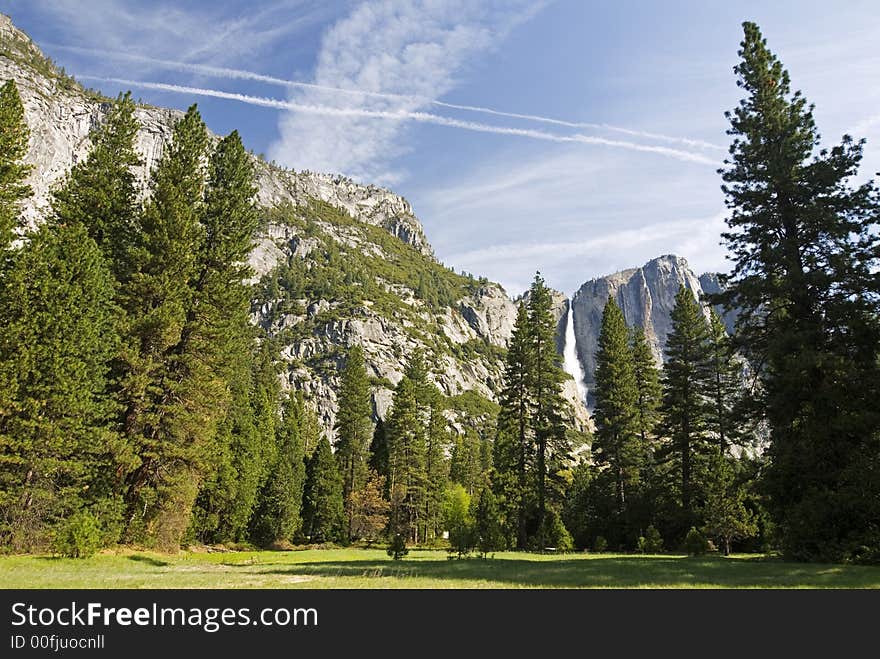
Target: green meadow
{"points": [[371, 568]]}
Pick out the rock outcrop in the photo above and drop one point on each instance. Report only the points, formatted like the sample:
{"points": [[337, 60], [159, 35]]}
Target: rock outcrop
{"points": [[462, 339], [646, 296]]}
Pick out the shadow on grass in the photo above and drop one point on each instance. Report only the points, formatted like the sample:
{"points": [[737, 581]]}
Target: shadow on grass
{"points": [[609, 572], [155, 562]]}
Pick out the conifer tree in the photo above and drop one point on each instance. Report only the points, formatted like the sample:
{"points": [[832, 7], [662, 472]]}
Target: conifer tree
{"points": [[169, 436], [354, 428], [406, 460], [279, 516], [722, 386], [489, 535], [323, 514], [684, 407], [647, 377], [545, 382], [804, 243], [514, 447], [465, 465], [58, 448], [726, 516], [617, 443], [436, 463], [101, 191], [378, 457], [14, 134]]}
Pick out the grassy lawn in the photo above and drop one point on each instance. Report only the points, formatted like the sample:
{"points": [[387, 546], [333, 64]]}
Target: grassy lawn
{"points": [[364, 568]]}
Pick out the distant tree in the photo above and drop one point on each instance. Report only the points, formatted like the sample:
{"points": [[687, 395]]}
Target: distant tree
{"points": [[647, 377], [14, 134], [488, 529], [617, 443], [323, 514], [406, 460], [466, 465], [378, 456], [354, 428], [514, 447], [684, 407], [723, 385], [726, 516], [279, 516], [457, 519], [369, 509]]}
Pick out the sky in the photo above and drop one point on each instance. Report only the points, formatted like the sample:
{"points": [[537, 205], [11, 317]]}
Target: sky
{"points": [[574, 137]]}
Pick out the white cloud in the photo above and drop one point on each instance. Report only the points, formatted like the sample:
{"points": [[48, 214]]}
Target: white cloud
{"points": [[408, 47], [573, 215]]}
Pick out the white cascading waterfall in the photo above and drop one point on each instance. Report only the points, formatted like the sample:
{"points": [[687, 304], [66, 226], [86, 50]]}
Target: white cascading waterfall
{"points": [[570, 360]]}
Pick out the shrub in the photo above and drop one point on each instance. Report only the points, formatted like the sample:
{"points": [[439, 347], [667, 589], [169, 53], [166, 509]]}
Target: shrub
{"points": [[653, 541], [555, 533], [79, 536], [397, 549], [600, 545], [695, 543]]}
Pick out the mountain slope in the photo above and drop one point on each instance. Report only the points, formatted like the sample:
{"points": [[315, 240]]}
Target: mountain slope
{"points": [[336, 263], [646, 295]]}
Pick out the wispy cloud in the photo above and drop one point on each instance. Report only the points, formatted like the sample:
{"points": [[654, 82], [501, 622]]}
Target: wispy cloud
{"points": [[397, 116], [410, 47], [243, 74], [178, 30]]}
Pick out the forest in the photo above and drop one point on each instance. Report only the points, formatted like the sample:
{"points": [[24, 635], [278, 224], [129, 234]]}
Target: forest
{"points": [[139, 405]]}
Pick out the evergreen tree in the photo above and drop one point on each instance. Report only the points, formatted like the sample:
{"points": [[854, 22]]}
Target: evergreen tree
{"points": [[354, 428], [805, 245], [406, 461], [722, 386], [726, 516], [466, 466], [514, 448], [684, 408], [279, 516], [370, 509], [58, 448], [378, 458], [170, 398], [545, 382], [101, 191], [436, 463], [647, 377], [488, 531], [323, 513], [617, 443], [14, 136]]}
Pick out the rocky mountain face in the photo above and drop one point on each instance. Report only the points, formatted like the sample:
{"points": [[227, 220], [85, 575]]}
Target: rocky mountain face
{"points": [[312, 221], [646, 296]]}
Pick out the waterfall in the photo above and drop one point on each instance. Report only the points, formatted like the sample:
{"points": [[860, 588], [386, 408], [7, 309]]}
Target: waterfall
{"points": [[570, 359]]}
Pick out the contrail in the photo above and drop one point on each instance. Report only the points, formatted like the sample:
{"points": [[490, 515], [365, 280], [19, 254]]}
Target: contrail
{"points": [[240, 74], [406, 115]]}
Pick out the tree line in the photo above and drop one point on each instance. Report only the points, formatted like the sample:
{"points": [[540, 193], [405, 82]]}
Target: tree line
{"points": [[138, 404]]}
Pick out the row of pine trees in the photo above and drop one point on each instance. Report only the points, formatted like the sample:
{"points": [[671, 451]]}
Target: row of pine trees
{"points": [[138, 404]]}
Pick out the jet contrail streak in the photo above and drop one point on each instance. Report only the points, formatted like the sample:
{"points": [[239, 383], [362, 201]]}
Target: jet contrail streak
{"points": [[240, 74], [406, 115]]}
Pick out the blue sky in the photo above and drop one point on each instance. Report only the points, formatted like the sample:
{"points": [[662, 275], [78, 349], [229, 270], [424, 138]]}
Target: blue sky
{"points": [[638, 89]]}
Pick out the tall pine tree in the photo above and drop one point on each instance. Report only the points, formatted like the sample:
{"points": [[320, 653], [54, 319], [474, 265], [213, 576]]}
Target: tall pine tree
{"points": [[548, 405], [323, 513], [354, 428], [617, 442], [684, 407], [514, 447], [14, 134], [805, 245]]}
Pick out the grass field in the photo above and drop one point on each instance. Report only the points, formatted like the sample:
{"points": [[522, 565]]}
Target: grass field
{"points": [[365, 568]]}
